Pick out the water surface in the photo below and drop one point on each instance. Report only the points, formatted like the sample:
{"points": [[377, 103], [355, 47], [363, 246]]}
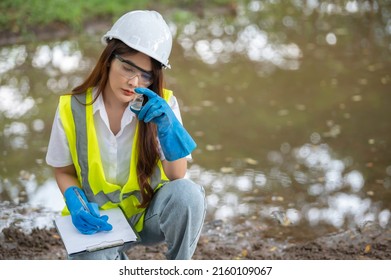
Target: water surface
{"points": [[289, 104]]}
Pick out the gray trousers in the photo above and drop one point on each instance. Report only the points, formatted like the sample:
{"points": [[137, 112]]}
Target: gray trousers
{"points": [[175, 216]]}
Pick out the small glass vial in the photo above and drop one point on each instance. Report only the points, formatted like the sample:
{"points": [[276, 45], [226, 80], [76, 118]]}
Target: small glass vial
{"points": [[137, 102]]}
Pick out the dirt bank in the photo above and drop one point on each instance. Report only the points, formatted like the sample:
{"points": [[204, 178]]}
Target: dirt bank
{"points": [[220, 241]]}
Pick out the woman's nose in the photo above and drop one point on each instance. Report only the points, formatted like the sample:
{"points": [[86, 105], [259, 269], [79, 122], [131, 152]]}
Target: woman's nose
{"points": [[134, 82]]}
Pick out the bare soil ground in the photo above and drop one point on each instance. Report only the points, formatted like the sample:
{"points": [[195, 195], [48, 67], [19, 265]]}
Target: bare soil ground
{"points": [[220, 241]]}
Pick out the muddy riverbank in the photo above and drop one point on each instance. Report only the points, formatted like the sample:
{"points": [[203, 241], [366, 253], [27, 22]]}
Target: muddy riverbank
{"points": [[247, 239]]}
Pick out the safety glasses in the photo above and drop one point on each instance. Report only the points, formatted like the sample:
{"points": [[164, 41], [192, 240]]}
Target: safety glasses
{"points": [[129, 70]]}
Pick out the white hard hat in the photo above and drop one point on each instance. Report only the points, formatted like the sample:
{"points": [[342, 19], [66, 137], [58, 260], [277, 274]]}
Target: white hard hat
{"points": [[144, 31]]}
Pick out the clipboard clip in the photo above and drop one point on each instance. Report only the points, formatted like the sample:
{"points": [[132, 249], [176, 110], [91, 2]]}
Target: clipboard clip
{"points": [[105, 245]]}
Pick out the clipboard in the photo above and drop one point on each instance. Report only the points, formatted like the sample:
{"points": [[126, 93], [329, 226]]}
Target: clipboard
{"points": [[76, 242]]}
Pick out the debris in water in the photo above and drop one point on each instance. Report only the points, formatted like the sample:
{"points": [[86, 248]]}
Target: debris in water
{"points": [[281, 217]]}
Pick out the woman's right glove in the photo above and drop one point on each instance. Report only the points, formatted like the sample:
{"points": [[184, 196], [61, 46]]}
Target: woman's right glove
{"points": [[85, 215]]}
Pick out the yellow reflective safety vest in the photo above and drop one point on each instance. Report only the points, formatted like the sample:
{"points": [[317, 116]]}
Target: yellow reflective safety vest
{"points": [[78, 122]]}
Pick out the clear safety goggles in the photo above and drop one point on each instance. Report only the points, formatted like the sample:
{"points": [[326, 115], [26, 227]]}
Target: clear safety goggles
{"points": [[129, 70]]}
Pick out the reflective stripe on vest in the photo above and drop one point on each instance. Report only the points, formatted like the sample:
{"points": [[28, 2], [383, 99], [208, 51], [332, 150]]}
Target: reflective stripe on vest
{"points": [[78, 122]]}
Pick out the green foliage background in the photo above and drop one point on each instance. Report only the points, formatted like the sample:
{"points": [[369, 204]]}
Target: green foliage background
{"points": [[19, 16]]}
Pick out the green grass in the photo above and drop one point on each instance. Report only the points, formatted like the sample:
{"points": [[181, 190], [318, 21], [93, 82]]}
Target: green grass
{"points": [[18, 16], [21, 16]]}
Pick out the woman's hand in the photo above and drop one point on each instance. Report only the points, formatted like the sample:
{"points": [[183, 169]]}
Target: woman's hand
{"points": [[85, 215], [175, 141]]}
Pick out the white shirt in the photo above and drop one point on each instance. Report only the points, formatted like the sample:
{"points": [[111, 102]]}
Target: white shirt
{"points": [[115, 150]]}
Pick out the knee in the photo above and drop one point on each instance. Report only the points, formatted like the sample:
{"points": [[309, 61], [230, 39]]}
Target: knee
{"points": [[188, 194]]}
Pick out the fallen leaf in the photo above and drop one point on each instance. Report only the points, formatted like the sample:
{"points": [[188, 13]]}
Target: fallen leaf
{"points": [[226, 169], [56, 236], [272, 249], [251, 161]]}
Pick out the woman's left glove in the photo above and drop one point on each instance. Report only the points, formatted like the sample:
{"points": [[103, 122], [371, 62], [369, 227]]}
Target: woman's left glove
{"points": [[175, 141]]}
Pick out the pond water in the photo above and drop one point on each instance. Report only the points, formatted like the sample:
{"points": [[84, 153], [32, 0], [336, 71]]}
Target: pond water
{"points": [[289, 104]]}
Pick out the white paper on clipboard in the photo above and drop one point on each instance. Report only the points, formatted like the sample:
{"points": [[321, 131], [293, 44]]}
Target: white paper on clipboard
{"points": [[76, 242]]}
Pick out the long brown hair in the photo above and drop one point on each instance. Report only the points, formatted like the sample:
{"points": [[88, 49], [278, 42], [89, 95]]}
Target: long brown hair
{"points": [[148, 153]]}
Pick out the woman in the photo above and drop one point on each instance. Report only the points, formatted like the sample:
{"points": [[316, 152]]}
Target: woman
{"points": [[112, 154]]}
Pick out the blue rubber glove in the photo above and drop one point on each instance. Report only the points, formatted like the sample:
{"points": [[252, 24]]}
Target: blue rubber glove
{"points": [[87, 221], [175, 141]]}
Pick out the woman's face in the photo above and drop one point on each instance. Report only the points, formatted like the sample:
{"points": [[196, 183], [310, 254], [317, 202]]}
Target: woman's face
{"points": [[127, 72]]}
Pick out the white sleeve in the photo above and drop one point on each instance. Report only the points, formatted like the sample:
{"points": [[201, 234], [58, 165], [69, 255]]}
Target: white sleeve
{"points": [[173, 102], [58, 154]]}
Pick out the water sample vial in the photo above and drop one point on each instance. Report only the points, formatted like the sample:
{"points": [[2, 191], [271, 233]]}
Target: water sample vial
{"points": [[137, 102]]}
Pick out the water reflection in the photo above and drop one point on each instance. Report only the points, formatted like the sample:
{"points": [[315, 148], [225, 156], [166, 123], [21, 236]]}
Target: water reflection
{"points": [[334, 190], [16, 133], [64, 56], [224, 41], [290, 111], [334, 194], [12, 57], [29, 77], [13, 100]]}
